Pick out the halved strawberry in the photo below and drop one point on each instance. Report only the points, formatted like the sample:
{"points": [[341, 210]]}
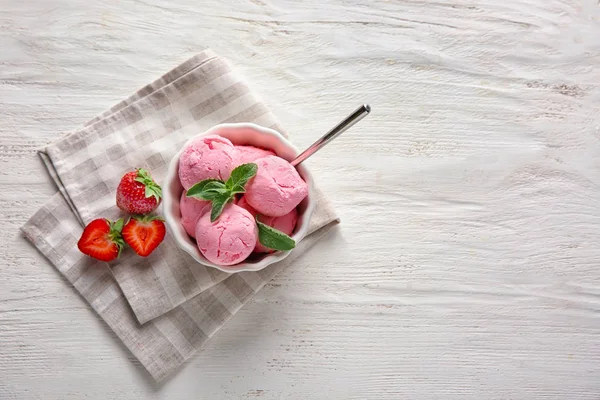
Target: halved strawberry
{"points": [[144, 233], [101, 239]]}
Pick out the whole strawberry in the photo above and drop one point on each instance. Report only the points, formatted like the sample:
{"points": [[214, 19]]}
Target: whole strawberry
{"points": [[137, 193], [102, 240], [144, 234]]}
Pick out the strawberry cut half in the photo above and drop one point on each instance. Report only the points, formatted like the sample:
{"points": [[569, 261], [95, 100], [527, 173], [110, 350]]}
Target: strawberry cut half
{"points": [[144, 233], [101, 239]]}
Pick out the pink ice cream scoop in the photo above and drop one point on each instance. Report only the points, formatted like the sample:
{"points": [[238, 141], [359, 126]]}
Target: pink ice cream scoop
{"points": [[230, 239], [276, 189], [248, 154], [206, 157], [285, 224], [191, 210]]}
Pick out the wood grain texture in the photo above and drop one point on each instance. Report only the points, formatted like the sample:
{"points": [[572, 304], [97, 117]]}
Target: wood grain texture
{"points": [[467, 262]]}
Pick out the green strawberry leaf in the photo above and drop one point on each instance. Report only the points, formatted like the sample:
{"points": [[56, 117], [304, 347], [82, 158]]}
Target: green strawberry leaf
{"points": [[274, 239], [218, 205], [146, 218], [241, 175], [117, 226], [115, 234], [142, 173], [152, 189]]}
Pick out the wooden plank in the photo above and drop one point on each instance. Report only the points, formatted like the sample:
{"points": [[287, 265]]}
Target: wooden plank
{"points": [[466, 266]]}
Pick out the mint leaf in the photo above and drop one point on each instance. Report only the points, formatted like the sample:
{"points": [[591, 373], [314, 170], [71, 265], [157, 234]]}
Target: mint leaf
{"points": [[241, 175], [237, 189], [214, 185], [207, 183], [220, 193], [207, 189], [218, 204], [212, 195], [212, 190], [274, 239]]}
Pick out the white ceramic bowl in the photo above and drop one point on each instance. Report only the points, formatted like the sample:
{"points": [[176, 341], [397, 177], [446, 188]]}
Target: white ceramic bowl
{"points": [[239, 134]]}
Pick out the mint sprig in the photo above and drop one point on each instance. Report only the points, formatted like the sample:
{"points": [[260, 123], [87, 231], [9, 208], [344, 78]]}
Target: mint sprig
{"points": [[241, 175], [208, 189], [274, 239], [220, 193], [218, 205]]}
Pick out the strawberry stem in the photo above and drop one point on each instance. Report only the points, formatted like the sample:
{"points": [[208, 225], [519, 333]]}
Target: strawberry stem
{"points": [[115, 235], [147, 218], [152, 189]]}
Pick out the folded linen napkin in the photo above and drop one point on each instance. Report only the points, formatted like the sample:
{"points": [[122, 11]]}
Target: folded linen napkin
{"points": [[163, 307]]}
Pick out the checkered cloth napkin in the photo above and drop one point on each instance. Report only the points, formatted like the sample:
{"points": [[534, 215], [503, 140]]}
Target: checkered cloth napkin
{"points": [[165, 306]]}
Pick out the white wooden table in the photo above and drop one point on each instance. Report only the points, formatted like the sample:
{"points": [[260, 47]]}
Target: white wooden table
{"points": [[467, 265]]}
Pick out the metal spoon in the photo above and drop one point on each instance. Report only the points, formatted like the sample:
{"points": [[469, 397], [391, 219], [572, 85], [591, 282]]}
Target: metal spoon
{"points": [[336, 131]]}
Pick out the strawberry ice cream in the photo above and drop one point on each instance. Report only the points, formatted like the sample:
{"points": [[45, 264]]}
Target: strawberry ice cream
{"points": [[230, 239], [191, 210], [285, 224], [277, 187], [206, 157], [248, 154]]}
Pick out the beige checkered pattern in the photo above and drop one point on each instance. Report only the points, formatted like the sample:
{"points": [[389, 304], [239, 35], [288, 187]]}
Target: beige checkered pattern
{"points": [[166, 306]]}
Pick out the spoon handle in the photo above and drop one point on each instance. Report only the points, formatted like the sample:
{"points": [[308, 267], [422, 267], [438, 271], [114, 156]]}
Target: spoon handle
{"points": [[337, 130]]}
